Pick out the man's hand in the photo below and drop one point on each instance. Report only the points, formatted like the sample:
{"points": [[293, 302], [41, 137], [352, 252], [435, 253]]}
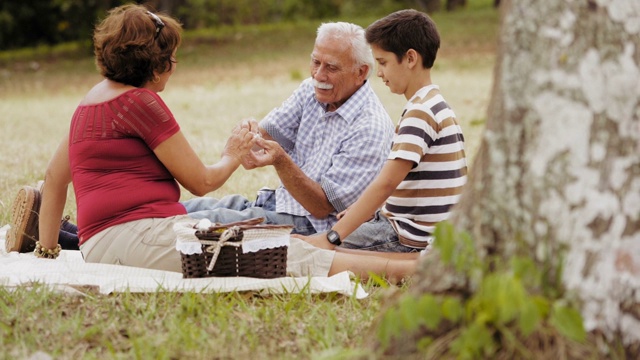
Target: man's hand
{"points": [[317, 240], [264, 153], [250, 124]]}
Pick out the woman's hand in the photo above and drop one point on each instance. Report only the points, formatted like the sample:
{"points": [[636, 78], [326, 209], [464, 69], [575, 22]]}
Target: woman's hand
{"points": [[251, 124], [240, 142]]}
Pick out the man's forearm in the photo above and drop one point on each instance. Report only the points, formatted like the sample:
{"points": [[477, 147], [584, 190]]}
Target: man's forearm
{"points": [[306, 191]]}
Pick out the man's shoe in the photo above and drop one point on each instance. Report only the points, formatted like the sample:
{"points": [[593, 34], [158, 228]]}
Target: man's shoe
{"points": [[23, 234]]}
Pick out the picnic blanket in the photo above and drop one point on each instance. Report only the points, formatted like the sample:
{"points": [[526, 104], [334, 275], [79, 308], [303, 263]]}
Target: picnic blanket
{"points": [[69, 271]]}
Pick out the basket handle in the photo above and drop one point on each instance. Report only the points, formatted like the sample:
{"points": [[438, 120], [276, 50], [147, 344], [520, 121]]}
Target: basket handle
{"points": [[248, 222]]}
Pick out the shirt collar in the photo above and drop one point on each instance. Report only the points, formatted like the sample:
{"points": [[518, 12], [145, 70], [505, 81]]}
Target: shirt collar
{"points": [[349, 110]]}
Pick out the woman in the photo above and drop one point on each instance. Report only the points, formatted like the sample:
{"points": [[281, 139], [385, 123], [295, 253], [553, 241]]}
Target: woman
{"points": [[126, 155], [125, 152]]}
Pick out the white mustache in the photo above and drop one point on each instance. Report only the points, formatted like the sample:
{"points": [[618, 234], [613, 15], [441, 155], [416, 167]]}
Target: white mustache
{"points": [[321, 85]]}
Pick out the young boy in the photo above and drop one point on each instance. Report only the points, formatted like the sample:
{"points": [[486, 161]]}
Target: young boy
{"points": [[426, 169]]}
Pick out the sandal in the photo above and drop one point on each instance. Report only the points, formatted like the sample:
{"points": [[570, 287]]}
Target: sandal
{"points": [[23, 234]]}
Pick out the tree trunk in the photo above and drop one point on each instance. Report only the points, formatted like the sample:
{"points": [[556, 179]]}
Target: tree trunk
{"points": [[455, 4], [165, 6], [428, 6], [557, 177]]}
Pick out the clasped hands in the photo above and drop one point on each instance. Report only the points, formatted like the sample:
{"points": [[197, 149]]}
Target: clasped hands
{"points": [[247, 144]]}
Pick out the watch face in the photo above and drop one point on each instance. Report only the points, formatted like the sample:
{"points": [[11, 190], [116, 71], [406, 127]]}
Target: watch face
{"points": [[333, 237]]}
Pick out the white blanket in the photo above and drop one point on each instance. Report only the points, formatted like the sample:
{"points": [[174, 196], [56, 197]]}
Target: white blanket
{"points": [[70, 271]]}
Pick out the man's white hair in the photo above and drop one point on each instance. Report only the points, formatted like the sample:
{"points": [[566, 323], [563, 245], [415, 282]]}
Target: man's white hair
{"points": [[355, 36]]}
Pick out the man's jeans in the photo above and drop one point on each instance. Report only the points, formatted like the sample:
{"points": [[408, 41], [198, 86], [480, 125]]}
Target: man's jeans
{"points": [[376, 234], [234, 208]]}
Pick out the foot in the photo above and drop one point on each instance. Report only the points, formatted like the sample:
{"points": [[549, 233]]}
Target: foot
{"points": [[66, 225], [23, 234]]}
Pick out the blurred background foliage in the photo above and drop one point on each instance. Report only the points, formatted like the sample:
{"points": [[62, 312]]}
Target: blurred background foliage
{"points": [[34, 23]]}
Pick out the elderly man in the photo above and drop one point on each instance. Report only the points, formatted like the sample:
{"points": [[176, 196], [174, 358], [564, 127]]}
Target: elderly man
{"points": [[327, 142]]}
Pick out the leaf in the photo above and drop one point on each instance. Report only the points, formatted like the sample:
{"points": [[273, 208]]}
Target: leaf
{"points": [[529, 317], [389, 327], [525, 270], [568, 321], [409, 313], [474, 342], [452, 309], [522, 266], [542, 304], [378, 280], [466, 255], [429, 311], [445, 240], [513, 298], [424, 343]]}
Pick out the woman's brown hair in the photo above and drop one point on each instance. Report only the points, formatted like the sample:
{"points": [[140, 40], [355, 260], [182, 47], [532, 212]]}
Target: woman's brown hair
{"points": [[130, 44]]}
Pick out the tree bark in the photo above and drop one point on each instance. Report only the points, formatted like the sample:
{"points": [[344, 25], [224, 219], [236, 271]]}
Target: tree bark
{"points": [[557, 176], [428, 6], [455, 4], [164, 6]]}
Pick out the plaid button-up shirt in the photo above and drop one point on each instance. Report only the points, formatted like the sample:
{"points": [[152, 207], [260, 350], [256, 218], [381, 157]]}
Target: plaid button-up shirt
{"points": [[343, 150]]}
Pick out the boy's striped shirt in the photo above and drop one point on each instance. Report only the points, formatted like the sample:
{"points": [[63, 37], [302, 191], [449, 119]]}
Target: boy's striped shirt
{"points": [[429, 136]]}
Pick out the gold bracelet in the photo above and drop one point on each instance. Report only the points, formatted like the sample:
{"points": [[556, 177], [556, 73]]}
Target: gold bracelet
{"points": [[42, 252]]}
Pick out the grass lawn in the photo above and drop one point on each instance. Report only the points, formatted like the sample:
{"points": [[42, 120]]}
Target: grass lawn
{"points": [[223, 76]]}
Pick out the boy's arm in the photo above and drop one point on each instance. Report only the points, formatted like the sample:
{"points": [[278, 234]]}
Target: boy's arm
{"points": [[391, 175]]}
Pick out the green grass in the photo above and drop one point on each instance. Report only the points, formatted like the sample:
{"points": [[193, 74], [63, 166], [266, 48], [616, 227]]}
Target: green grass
{"points": [[165, 325], [223, 75]]}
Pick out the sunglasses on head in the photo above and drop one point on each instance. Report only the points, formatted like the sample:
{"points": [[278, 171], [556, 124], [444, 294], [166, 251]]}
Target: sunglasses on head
{"points": [[158, 21]]}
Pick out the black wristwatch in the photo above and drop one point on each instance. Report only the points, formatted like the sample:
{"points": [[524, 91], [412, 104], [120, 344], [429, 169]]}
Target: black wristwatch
{"points": [[334, 237]]}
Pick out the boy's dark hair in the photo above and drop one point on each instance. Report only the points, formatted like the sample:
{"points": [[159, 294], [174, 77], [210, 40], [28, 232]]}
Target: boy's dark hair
{"points": [[403, 30]]}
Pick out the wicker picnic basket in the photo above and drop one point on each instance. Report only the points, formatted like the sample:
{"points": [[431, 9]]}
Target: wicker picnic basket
{"points": [[238, 249]]}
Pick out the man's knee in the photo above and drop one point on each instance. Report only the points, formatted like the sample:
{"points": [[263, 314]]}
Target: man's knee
{"points": [[233, 202]]}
